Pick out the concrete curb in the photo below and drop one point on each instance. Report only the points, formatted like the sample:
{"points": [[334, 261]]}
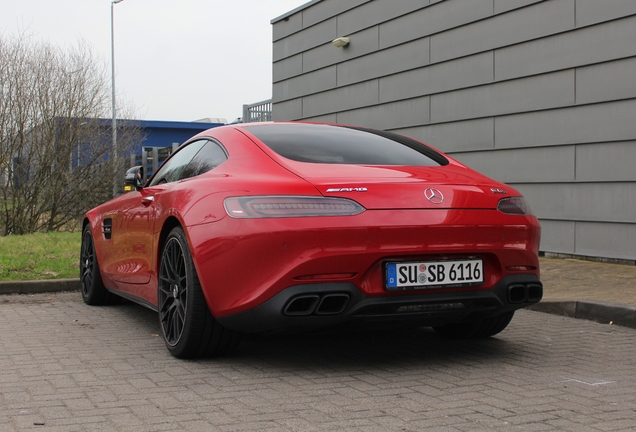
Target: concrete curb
{"points": [[601, 312], [39, 286]]}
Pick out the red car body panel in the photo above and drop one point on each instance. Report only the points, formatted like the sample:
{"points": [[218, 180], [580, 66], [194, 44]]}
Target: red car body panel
{"points": [[243, 263], [276, 254]]}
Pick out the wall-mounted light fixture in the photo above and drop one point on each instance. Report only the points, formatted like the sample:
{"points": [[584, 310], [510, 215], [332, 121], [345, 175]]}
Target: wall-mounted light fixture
{"points": [[340, 42]]}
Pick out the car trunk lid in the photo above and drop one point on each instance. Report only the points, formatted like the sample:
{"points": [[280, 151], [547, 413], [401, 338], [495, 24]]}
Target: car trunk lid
{"points": [[398, 187]]}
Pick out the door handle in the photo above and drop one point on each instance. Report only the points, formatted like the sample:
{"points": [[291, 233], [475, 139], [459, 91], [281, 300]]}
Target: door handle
{"points": [[147, 200]]}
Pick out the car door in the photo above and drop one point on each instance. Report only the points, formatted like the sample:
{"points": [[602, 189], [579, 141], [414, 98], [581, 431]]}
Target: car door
{"points": [[133, 236], [127, 243]]}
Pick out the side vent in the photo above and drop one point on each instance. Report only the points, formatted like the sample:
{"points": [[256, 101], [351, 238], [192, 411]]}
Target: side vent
{"points": [[107, 228]]}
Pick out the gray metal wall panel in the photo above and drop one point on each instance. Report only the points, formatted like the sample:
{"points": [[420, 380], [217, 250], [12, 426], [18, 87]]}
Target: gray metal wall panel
{"points": [[455, 137], [606, 81], [309, 38], [341, 99], [287, 68], [382, 63], [586, 202], [594, 44], [595, 11], [527, 94], [606, 240], [289, 110], [326, 9], [396, 114], [287, 26], [375, 12], [607, 162], [315, 82], [361, 44], [433, 19], [508, 69], [557, 236], [507, 5], [543, 164], [464, 72], [584, 124], [532, 22], [329, 118]]}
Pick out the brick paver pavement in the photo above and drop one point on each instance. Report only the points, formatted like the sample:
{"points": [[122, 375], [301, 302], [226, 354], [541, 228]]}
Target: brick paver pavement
{"points": [[65, 366]]}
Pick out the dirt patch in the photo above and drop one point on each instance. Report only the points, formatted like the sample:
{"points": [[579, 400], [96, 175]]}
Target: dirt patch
{"points": [[65, 297]]}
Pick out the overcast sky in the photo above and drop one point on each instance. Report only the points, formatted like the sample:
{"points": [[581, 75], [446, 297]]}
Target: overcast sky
{"points": [[175, 60]]}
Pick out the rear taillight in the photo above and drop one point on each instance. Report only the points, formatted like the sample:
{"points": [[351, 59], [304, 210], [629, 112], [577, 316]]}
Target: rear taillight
{"points": [[290, 206], [514, 205]]}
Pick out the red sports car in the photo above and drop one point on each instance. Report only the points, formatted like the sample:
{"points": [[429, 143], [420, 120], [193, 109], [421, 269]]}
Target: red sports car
{"points": [[279, 227]]}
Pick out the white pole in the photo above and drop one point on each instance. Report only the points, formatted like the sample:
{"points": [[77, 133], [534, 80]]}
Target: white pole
{"points": [[114, 122]]}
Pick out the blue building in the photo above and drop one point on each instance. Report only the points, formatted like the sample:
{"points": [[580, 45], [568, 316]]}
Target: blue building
{"points": [[166, 133], [163, 137]]}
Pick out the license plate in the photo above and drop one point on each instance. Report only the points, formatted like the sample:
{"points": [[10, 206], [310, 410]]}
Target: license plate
{"points": [[430, 274]]}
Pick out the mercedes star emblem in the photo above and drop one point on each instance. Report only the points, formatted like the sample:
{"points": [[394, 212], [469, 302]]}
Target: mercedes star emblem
{"points": [[434, 195]]}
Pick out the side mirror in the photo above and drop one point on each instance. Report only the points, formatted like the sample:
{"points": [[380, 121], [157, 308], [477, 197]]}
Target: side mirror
{"points": [[134, 179]]}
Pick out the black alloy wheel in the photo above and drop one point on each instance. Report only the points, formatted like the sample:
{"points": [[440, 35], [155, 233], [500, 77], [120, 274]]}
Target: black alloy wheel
{"points": [[93, 291], [187, 326], [173, 291]]}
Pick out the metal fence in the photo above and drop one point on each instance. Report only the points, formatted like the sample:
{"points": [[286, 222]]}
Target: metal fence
{"points": [[257, 112]]}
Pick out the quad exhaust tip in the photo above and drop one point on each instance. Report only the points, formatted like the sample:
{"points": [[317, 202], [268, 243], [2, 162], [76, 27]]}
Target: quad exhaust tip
{"points": [[521, 293], [332, 304], [302, 305], [317, 304]]}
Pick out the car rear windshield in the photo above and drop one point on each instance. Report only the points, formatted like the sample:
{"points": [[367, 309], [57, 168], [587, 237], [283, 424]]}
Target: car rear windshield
{"points": [[345, 145]]}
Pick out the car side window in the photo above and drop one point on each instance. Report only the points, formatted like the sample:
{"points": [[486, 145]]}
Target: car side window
{"points": [[209, 157], [172, 169]]}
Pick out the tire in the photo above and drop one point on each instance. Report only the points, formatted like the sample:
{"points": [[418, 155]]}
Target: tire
{"points": [[477, 329], [188, 328], [94, 292]]}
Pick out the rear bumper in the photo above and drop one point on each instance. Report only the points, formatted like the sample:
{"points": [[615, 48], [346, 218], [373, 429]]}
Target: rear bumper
{"points": [[309, 307], [243, 263]]}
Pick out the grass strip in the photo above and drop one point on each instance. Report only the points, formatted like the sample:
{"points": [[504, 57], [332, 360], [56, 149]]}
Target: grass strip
{"points": [[53, 255]]}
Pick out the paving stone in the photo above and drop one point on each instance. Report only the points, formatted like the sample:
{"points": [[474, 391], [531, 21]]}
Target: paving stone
{"points": [[76, 368]]}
